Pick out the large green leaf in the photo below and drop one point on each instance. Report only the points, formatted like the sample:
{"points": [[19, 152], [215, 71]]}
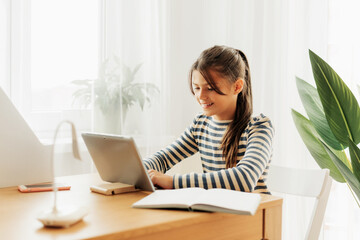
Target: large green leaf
{"points": [[313, 144], [312, 104], [340, 106], [355, 158], [346, 172]]}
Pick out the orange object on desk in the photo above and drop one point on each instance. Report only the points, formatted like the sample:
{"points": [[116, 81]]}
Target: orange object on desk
{"points": [[42, 187]]}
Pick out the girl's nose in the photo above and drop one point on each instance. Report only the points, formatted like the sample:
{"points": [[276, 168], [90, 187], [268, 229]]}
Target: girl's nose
{"points": [[202, 94]]}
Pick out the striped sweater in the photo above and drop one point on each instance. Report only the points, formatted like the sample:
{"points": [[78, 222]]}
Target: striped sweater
{"points": [[204, 136]]}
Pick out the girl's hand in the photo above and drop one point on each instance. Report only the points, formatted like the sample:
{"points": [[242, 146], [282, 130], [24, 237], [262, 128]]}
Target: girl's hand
{"points": [[160, 179]]}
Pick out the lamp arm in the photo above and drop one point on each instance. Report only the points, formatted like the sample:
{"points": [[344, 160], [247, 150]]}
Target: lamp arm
{"points": [[75, 151]]}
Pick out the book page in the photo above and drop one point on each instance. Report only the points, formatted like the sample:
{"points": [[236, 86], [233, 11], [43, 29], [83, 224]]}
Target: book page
{"points": [[173, 198], [224, 200]]}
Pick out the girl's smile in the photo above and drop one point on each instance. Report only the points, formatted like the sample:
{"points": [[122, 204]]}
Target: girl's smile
{"points": [[222, 107], [206, 105]]}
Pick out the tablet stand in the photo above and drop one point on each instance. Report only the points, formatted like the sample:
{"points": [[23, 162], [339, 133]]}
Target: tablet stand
{"points": [[113, 188]]}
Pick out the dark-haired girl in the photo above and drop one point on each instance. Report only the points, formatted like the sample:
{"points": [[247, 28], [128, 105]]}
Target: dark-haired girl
{"points": [[235, 148]]}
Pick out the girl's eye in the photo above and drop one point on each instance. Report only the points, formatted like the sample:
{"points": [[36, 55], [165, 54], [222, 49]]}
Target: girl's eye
{"points": [[210, 89]]}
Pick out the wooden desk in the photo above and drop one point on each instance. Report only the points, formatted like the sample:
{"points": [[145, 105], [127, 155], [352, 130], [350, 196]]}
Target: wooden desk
{"points": [[111, 217]]}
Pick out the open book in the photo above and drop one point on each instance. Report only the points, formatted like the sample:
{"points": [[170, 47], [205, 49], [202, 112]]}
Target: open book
{"points": [[212, 200]]}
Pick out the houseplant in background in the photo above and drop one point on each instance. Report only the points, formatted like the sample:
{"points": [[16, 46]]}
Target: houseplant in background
{"points": [[113, 93], [333, 127]]}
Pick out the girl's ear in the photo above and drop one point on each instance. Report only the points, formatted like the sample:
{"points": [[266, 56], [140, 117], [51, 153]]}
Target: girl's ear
{"points": [[239, 84]]}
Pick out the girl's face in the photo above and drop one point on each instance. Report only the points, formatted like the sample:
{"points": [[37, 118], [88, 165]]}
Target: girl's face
{"points": [[221, 107]]}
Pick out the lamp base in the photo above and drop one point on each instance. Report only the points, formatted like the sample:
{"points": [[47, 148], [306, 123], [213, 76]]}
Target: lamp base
{"points": [[62, 218]]}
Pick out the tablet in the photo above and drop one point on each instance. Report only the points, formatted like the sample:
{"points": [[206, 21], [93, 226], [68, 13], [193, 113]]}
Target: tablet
{"points": [[117, 160]]}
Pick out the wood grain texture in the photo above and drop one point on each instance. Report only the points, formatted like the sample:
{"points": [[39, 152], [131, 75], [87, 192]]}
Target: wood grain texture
{"points": [[272, 222], [111, 217]]}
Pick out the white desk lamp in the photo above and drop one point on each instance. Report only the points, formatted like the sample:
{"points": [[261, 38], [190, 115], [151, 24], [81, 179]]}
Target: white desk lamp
{"points": [[62, 217]]}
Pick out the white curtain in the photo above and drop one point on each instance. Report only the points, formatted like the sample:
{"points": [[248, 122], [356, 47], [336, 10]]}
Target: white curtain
{"points": [[133, 31], [4, 39], [275, 35], [167, 36], [342, 220]]}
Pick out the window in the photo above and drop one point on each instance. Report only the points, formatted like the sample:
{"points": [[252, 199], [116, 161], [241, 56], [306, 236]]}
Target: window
{"points": [[63, 40]]}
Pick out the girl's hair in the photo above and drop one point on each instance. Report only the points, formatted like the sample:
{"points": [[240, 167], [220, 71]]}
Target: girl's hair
{"points": [[230, 64]]}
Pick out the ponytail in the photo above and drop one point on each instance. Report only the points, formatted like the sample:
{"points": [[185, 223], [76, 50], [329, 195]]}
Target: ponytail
{"points": [[244, 109]]}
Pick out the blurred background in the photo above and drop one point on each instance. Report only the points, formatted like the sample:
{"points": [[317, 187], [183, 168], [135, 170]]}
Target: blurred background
{"points": [[121, 67]]}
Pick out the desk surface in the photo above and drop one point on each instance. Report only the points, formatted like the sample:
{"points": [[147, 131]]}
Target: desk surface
{"points": [[111, 217]]}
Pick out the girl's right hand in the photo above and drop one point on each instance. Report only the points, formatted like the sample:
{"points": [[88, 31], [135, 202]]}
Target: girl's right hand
{"points": [[159, 179]]}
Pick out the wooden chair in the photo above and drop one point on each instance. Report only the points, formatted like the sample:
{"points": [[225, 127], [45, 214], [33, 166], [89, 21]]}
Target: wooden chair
{"points": [[307, 183]]}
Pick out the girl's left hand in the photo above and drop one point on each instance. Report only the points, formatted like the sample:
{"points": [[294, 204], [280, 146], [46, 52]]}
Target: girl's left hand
{"points": [[160, 179]]}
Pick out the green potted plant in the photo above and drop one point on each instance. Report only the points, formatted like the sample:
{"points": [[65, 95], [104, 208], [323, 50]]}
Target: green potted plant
{"points": [[333, 126], [114, 92]]}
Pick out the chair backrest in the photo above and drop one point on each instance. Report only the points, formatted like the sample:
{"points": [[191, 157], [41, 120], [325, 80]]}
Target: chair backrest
{"points": [[304, 182]]}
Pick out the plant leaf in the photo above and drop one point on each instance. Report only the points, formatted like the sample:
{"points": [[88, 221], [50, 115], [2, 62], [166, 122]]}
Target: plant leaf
{"points": [[137, 91], [346, 172], [128, 76], [114, 86], [312, 104], [136, 69], [313, 144], [355, 158], [340, 106]]}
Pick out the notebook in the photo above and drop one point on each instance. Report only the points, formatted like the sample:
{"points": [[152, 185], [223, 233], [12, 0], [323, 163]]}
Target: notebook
{"points": [[199, 199], [117, 160]]}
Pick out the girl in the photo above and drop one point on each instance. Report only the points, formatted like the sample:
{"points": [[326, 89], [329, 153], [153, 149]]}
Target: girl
{"points": [[235, 148]]}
